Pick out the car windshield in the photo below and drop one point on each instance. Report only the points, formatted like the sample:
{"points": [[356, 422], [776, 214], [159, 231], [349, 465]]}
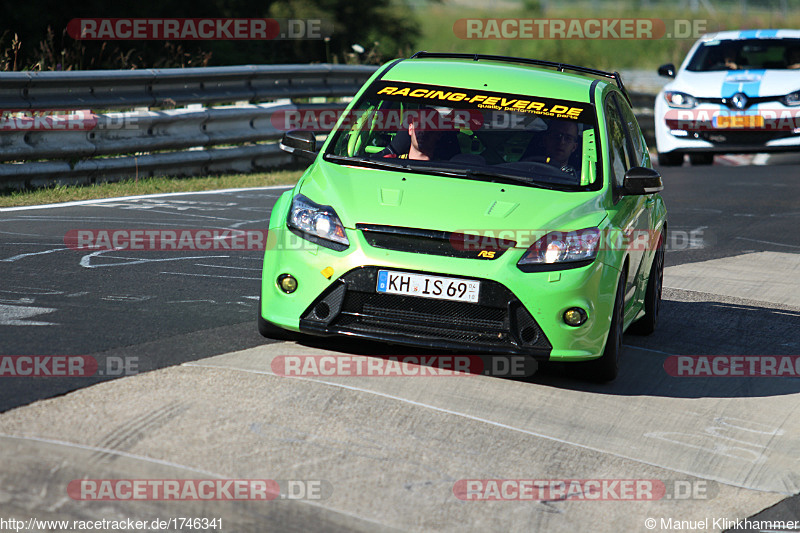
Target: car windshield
{"points": [[470, 134], [744, 54]]}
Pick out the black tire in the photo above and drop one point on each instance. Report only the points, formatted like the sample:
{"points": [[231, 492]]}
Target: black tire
{"points": [[646, 325], [702, 158], [670, 159], [606, 367], [271, 331]]}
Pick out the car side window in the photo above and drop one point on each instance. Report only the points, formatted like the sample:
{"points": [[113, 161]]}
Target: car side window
{"points": [[616, 137], [632, 126]]}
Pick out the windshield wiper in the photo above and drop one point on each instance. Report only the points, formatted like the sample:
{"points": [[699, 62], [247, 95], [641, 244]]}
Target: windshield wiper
{"points": [[482, 174], [365, 162], [412, 165], [407, 165]]}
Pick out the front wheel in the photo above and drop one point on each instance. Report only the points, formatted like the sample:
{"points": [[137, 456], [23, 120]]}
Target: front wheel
{"points": [[670, 159], [646, 325], [606, 367], [702, 158]]}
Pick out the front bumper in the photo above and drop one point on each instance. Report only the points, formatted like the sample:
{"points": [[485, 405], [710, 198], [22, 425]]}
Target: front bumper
{"points": [[517, 312], [497, 323], [694, 130]]}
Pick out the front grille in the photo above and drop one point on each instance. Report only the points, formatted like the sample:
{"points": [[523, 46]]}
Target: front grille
{"points": [[389, 313], [741, 137], [728, 102], [497, 322], [431, 242]]}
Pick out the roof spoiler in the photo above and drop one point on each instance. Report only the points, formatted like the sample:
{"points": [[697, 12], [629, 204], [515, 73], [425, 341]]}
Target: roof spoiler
{"points": [[561, 67]]}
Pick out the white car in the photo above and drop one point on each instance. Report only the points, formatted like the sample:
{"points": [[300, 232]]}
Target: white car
{"points": [[736, 92]]}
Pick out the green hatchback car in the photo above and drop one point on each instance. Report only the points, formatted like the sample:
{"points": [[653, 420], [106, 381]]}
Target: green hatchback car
{"points": [[472, 202]]}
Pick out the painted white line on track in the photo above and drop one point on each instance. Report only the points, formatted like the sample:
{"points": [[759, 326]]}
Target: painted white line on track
{"points": [[207, 275], [229, 267], [464, 415], [20, 256], [111, 451], [648, 349], [170, 464], [156, 195], [767, 242]]}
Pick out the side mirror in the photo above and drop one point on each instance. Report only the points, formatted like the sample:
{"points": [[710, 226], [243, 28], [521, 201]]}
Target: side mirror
{"points": [[300, 143], [668, 70], [642, 180]]}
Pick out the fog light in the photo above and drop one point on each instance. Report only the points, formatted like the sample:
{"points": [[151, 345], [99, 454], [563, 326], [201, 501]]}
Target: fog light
{"points": [[575, 316], [287, 283]]}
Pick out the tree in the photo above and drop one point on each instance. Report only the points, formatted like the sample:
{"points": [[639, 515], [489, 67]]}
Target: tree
{"points": [[385, 29]]}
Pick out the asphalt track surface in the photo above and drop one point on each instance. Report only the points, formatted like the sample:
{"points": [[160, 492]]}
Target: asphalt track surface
{"points": [[392, 448]]}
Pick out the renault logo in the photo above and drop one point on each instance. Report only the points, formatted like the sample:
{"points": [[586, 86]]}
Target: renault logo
{"points": [[739, 100]]}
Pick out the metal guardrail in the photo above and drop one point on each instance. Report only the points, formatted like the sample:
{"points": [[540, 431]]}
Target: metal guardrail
{"points": [[177, 142], [120, 89], [146, 131], [643, 105]]}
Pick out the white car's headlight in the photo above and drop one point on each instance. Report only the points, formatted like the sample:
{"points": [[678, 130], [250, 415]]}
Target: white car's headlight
{"points": [[792, 99], [561, 248], [682, 100], [318, 223]]}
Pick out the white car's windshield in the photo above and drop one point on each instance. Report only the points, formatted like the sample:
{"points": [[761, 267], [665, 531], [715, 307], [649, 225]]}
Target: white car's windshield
{"points": [[746, 54]]}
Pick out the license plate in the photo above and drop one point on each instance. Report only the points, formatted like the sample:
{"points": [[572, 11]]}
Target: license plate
{"points": [[441, 288], [738, 121]]}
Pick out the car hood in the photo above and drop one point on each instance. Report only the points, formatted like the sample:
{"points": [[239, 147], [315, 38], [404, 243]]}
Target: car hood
{"points": [[370, 196], [724, 84]]}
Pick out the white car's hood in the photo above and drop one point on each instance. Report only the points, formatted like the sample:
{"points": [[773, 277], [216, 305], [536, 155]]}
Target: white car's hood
{"points": [[724, 84]]}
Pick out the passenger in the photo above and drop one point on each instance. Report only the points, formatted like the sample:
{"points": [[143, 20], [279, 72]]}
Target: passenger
{"points": [[560, 142], [793, 58]]}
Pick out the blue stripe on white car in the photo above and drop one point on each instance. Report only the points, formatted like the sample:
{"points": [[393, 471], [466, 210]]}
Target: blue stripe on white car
{"points": [[747, 82]]}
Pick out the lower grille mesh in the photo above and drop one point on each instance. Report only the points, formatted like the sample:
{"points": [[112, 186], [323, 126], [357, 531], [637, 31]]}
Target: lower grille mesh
{"points": [[497, 321]]}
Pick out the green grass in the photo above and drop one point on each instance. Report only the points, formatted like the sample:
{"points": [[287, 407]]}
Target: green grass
{"points": [[437, 34], [64, 193]]}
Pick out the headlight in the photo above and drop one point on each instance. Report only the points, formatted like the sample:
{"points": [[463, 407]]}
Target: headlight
{"points": [[559, 249], [317, 223], [792, 99], [683, 100]]}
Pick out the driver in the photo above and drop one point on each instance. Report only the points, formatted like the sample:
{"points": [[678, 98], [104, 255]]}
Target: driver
{"points": [[423, 137], [560, 142], [423, 140]]}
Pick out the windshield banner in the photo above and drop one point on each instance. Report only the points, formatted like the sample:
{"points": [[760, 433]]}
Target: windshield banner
{"points": [[436, 95]]}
